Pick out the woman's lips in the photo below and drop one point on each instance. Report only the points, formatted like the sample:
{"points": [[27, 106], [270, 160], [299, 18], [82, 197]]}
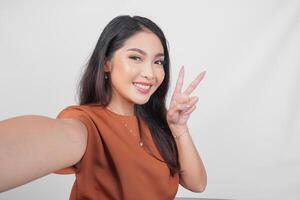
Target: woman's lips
{"points": [[142, 88]]}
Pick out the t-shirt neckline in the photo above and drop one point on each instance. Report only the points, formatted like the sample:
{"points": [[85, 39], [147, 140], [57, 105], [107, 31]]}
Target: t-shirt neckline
{"points": [[119, 115]]}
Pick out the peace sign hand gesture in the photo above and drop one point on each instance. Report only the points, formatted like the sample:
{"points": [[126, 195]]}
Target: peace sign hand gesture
{"points": [[181, 104]]}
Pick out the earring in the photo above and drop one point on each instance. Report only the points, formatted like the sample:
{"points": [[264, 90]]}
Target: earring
{"points": [[105, 76]]}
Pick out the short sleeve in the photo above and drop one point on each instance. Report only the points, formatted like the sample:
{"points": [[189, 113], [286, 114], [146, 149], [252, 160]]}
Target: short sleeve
{"points": [[74, 112]]}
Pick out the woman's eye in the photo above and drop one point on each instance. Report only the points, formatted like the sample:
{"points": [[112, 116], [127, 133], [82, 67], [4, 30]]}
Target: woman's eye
{"points": [[135, 58], [160, 62]]}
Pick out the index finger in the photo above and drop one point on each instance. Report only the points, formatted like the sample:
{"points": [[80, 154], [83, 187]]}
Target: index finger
{"points": [[179, 80]]}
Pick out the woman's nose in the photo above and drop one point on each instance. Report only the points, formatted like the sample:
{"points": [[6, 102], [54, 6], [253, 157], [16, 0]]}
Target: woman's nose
{"points": [[147, 71]]}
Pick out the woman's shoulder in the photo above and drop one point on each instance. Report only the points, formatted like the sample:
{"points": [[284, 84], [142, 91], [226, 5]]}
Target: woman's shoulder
{"points": [[91, 112], [90, 108]]}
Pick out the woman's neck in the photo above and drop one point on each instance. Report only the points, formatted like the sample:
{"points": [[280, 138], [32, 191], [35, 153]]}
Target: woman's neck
{"points": [[121, 110]]}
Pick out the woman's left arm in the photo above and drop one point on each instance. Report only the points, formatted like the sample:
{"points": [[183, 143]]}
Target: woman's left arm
{"points": [[193, 176]]}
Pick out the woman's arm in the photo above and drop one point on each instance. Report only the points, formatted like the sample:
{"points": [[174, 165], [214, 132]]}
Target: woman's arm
{"points": [[33, 146], [193, 177]]}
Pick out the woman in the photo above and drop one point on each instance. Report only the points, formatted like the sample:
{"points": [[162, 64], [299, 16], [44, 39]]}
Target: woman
{"points": [[120, 141]]}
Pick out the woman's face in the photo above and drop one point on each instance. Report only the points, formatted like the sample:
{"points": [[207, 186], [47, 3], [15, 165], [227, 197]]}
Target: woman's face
{"points": [[136, 69]]}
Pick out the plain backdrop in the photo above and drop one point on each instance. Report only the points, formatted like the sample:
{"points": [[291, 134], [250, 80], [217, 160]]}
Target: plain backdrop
{"points": [[247, 123]]}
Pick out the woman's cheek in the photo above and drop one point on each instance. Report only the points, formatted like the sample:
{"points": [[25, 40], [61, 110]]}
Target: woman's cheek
{"points": [[162, 76]]}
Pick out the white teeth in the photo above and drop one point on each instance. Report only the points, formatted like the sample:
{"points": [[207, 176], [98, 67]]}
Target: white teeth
{"points": [[145, 87]]}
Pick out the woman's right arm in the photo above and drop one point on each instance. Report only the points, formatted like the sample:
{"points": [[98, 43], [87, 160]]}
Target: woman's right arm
{"points": [[33, 146]]}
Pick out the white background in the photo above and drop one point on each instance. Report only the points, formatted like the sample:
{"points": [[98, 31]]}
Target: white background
{"points": [[247, 123]]}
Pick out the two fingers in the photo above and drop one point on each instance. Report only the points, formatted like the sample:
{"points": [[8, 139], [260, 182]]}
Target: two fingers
{"points": [[185, 104]]}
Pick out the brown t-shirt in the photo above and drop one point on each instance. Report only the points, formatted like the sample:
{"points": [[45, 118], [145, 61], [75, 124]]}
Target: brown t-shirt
{"points": [[114, 165]]}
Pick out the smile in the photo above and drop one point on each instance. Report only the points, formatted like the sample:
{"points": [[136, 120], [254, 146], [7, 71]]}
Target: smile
{"points": [[142, 88]]}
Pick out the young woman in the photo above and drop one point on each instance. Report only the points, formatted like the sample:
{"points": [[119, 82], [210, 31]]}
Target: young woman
{"points": [[120, 141]]}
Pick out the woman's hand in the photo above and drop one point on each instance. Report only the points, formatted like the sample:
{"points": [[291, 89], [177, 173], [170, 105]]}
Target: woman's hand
{"points": [[181, 104]]}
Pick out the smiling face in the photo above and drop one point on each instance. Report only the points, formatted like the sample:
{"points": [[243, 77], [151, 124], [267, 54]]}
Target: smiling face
{"points": [[136, 70]]}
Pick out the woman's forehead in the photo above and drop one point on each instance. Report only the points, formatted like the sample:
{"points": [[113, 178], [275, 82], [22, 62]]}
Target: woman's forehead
{"points": [[145, 41]]}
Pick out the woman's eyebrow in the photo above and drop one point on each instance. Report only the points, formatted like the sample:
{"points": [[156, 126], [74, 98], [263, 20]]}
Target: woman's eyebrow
{"points": [[143, 52]]}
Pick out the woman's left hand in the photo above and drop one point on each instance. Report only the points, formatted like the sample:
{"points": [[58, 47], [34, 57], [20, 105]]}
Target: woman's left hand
{"points": [[181, 104]]}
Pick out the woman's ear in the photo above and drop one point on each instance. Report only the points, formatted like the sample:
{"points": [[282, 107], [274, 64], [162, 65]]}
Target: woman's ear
{"points": [[107, 65]]}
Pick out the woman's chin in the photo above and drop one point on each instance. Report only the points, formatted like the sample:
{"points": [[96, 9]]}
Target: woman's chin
{"points": [[141, 101]]}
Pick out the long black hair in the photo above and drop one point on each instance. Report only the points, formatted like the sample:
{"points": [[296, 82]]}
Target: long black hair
{"points": [[95, 89]]}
